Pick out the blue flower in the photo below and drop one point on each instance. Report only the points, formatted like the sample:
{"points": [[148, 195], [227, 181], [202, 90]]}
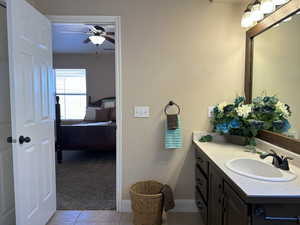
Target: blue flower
{"points": [[286, 126], [228, 108], [216, 110], [266, 99], [281, 125], [268, 109], [239, 100], [222, 128], [234, 124], [257, 124]]}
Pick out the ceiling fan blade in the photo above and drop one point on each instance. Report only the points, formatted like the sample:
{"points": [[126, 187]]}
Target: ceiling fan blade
{"points": [[92, 29], [110, 33], [99, 28], [86, 41], [109, 39], [72, 32]]}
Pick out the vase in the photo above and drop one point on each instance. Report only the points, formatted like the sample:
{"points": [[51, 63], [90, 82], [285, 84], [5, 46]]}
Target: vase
{"points": [[248, 142], [236, 140]]}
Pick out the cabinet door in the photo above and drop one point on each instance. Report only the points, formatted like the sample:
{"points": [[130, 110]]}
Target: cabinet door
{"points": [[215, 204], [235, 210]]}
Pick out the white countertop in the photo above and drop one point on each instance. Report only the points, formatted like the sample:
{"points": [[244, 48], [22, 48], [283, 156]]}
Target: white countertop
{"points": [[220, 152]]}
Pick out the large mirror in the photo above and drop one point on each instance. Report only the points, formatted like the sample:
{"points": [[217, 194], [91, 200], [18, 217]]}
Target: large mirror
{"points": [[276, 67], [273, 68]]}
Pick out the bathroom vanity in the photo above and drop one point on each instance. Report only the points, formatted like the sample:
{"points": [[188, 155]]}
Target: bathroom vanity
{"points": [[226, 197]]}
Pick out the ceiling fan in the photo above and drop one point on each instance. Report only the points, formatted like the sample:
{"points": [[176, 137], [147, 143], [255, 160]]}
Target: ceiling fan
{"points": [[97, 35]]}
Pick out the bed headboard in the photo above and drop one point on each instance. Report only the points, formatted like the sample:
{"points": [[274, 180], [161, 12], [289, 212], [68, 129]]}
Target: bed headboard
{"points": [[99, 102]]}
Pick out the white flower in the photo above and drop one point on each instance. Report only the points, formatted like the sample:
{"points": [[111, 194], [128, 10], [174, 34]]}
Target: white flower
{"points": [[221, 106], [281, 107], [244, 110]]}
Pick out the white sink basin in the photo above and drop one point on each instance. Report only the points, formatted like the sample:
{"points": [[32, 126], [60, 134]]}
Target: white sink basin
{"points": [[259, 170]]}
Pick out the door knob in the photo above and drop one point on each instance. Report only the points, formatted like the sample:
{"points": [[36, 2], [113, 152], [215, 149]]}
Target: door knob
{"points": [[11, 140], [23, 139]]}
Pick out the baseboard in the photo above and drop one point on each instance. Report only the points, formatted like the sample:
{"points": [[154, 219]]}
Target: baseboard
{"points": [[182, 205]]}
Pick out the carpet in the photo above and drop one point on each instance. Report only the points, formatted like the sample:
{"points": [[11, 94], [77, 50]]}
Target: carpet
{"points": [[86, 181]]}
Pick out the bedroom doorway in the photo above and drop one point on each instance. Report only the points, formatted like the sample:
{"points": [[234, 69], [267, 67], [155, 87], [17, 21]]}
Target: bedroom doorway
{"points": [[86, 120]]}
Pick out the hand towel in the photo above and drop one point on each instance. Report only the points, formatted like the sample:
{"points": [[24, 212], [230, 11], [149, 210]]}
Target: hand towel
{"points": [[172, 121], [173, 138], [168, 198]]}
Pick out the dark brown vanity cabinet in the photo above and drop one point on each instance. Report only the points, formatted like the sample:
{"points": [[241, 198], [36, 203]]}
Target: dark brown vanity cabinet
{"points": [[218, 204], [235, 211], [221, 202]]}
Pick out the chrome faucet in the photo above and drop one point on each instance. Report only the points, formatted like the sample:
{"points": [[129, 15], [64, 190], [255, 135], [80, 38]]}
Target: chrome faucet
{"points": [[280, 162]]}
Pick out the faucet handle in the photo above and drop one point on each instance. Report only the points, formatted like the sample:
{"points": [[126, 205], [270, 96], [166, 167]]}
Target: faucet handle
{"points": [[273, 152], [285, 163]]}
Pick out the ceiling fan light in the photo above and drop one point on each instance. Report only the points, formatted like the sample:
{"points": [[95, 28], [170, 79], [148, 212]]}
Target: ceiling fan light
{"points": [[256, 12], [280, 2], [96, 39], [267, 6]]}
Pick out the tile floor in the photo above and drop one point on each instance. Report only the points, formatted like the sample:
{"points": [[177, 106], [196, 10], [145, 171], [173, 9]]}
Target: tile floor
{"points": [[102, 217]]}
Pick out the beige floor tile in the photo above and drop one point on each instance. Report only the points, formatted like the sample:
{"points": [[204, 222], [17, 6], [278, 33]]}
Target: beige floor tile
{"points": [[64, 217], [127, 219], [104, 216], [184, 219]]}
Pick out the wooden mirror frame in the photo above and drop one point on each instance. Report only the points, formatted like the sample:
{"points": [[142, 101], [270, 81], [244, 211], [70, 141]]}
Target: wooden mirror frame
{"points": [[280, 14]]}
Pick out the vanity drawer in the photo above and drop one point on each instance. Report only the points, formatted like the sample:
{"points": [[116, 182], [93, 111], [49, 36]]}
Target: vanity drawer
{"points": [[202, 207], [201, 161], [201, 183]]}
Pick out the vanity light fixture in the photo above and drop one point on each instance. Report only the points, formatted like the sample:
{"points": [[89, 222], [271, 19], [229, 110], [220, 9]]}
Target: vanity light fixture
{"points": [[267, 6], [97, 39], [258, 9]]}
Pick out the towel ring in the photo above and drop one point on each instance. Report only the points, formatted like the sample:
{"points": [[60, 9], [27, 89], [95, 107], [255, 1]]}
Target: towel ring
{"points": [[170, 104]]}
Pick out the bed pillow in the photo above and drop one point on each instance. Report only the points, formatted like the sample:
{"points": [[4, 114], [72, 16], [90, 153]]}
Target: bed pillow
{"points": [[109, 103], [90, 114], [112, 114], [102, 115]]}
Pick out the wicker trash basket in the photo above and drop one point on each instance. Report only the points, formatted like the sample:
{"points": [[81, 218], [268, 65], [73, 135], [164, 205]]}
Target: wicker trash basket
{"points": [[147, 203]]}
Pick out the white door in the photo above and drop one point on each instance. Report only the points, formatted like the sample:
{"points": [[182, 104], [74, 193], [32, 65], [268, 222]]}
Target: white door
{"points": [[32, 101], [6, 176]]}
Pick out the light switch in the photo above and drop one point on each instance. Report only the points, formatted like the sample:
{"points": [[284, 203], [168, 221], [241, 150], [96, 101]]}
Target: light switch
{"points": [[141, 111], [210, 111]]}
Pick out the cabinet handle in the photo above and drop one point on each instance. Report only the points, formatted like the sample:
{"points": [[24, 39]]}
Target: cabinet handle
{"points": [[200, 205], [295, 219], [200, 159]]}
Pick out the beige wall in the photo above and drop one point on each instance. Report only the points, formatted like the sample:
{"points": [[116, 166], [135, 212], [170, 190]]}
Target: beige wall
{"points": [[100, 77], [276, 68], [189, 51]]}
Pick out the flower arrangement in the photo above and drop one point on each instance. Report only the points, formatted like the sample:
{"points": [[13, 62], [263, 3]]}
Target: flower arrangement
{"points": [[239, 118]]}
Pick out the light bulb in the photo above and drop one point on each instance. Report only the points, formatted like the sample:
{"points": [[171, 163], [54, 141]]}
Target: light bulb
{"points": [[267, 6], [247, 20], [96, 39], [280, 2], [287, 19], [256, 13]]}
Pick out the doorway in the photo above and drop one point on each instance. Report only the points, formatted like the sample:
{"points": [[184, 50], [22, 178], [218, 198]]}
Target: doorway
{"points": [[84, 65]]}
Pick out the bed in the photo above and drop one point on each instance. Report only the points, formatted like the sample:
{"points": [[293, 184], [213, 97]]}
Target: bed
{"points": [[84, 135]]}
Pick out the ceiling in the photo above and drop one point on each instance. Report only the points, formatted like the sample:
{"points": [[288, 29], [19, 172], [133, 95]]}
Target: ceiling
{"points": [[68, 38]]}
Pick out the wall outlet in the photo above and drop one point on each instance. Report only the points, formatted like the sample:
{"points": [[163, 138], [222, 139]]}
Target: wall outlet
{"points": [[141, 111], [210, 111]]}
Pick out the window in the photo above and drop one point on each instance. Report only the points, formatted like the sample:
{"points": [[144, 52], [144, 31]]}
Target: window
{"points": [[71, 89]]}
